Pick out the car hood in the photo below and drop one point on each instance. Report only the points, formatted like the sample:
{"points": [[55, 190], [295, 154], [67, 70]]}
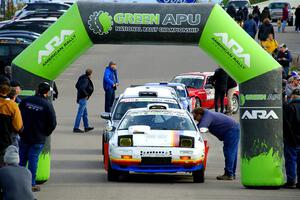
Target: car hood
{"points": [[158, 138]]}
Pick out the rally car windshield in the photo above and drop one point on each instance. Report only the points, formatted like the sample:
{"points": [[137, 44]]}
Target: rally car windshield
{"points": [[126, 104], [190, 82], [158, 121]]}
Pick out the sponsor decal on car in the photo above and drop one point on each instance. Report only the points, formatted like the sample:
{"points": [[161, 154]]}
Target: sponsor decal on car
{"points": [[157, 100]]}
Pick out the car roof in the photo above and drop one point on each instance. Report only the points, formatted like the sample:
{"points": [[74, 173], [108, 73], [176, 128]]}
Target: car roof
{"points": [[162, 92], [37, 19], [6, 32], [197, 74], [165, 84]]}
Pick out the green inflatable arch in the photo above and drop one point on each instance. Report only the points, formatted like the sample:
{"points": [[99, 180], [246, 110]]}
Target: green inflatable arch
{"points": [[205, 25]]}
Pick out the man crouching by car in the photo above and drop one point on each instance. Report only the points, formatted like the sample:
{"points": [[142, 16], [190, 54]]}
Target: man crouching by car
{"points": [[226, 130]]}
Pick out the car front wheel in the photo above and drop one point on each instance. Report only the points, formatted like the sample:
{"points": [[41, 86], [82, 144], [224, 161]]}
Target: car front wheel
{"points": [[198, 103], [112, 175], [235, 104], [198, 176]]}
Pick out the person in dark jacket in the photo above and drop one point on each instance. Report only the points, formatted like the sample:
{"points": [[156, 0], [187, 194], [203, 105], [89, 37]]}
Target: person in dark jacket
{"points": [[226, 130], [231, 11], [239, 15], [245, 13], [297, 20], [39, 122], [291, 138], [284, 58], [110, 84], [85, 89], [219, 80], [15, 181], [285, 16], [10, 120], [256, 15], [265, 14], [265, 29], [250, 26]]}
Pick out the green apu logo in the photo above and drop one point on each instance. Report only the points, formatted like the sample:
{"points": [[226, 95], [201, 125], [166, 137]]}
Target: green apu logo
{"points": [[100, 22]]}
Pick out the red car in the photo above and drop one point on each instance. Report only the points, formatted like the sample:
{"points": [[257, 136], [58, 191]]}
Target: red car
{"points": [[201, 91]]}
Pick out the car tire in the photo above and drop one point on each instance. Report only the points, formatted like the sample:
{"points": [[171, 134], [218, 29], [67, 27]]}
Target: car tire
{"points": [[112, 175], [103, 139], [235, 104], [198, 103], [198, 176]]}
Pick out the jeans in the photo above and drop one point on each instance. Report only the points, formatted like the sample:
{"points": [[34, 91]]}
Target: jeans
{"points": [[82, 113], [230, 150], [109, 99], [286, 70], [219, 95], [283, 25], [30, 153], [292, 161]]}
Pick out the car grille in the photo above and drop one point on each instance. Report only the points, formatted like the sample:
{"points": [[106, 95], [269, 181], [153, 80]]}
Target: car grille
{"points": [[155, 153], [156, 161]]}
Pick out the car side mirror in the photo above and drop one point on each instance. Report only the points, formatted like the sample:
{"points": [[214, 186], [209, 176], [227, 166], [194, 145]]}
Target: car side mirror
{"points": [[208, 86], [106, 115]]}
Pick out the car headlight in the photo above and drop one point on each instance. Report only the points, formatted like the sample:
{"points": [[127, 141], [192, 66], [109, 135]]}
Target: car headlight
{"points": [[186, 142], [125, 141]]}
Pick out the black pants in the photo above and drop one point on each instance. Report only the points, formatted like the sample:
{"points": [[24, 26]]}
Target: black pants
{"points": [[109, 99], [219, 95]]}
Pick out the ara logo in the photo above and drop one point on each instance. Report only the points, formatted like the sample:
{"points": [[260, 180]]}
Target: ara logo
{"points": [[235, 47], [53, 44], [259, 114]]}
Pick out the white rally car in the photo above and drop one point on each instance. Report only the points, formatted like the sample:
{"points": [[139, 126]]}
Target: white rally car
{"points": [[156, 139]]}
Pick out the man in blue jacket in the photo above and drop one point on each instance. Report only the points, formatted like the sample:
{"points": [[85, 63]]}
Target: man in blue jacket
{"points": [[250, 26], [226, 130], [110, 84], [39, 121]]}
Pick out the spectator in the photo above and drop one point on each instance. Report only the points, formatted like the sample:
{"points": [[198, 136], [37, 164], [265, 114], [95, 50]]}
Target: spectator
{"points": [[284, 58], [270, 45], [15, 181], [10, 120], [17, 87], [6, 75], [265, 14], [85, 89], [285, 16], [226, 130], [293, 83], [110, 84], [14, 136], [265, 29], [39, 122], [291, 138], [256, 15], [250, 26], [279, 25], [297, 21], [239, 15], [245, 13], [231, 11], [231, 88], [219, 80]]}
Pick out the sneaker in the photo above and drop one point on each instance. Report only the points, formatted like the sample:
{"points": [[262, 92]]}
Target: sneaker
{"points": [[289, 185], [225, 177], [35, 188], [77, 130], [88, 129]]}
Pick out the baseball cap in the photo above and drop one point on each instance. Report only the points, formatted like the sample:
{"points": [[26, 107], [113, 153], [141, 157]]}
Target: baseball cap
{"points": [[283, 45], [44, 87]]}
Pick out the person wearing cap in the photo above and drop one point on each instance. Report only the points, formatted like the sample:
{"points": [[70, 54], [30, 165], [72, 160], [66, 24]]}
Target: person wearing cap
{"points": [[284, 58], [10, 119], [15, 181], [39, 122], [291, 139], [110, 84], [226, 130], [293, 83], [16, 85], [85, 89]]}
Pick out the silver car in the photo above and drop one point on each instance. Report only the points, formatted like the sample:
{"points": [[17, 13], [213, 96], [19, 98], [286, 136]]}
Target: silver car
{"points": [[276, 11]]}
